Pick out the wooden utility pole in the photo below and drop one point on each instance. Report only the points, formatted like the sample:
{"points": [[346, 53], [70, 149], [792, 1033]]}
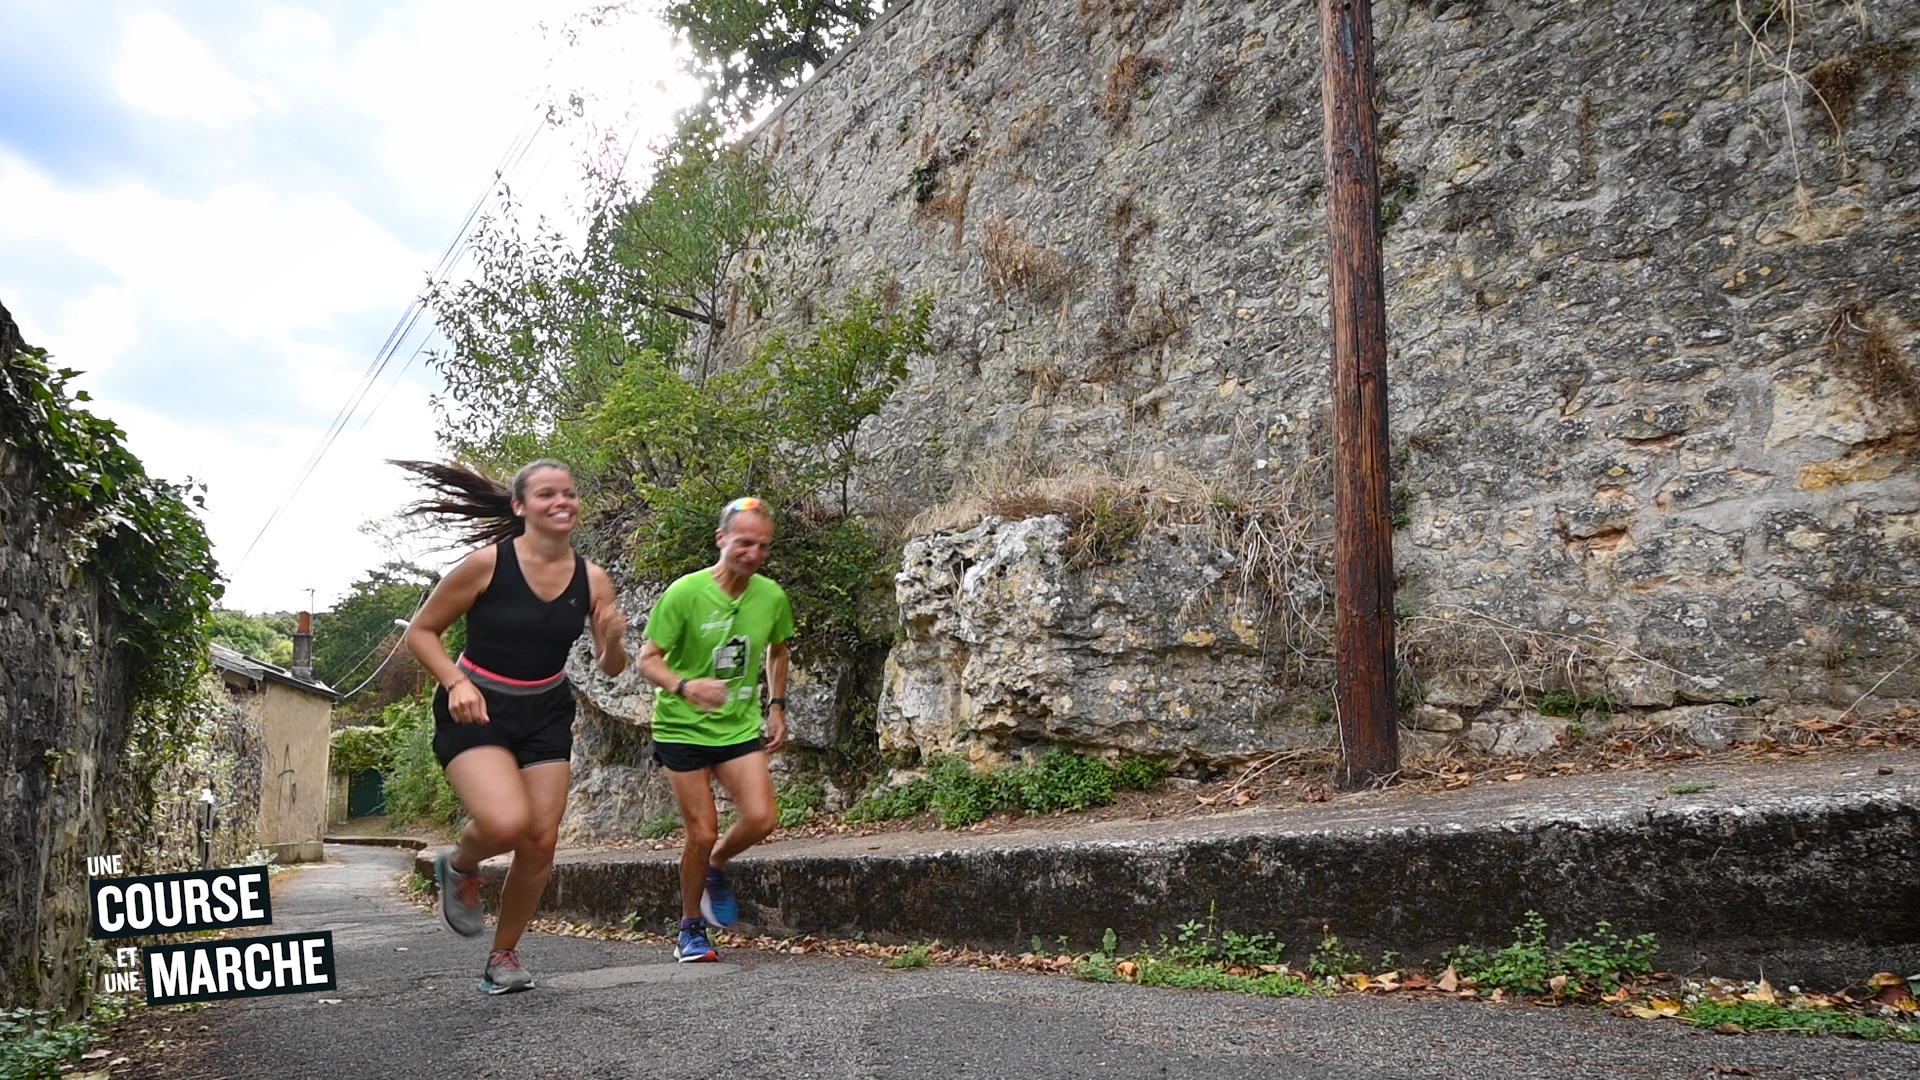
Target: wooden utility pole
{"points": [[1363, 532]]}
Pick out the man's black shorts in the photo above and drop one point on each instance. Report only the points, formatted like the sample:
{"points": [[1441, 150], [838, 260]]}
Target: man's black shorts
{"points": [[537, 728], [686, 757]]}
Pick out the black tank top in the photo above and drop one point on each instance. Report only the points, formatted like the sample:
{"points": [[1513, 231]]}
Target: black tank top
{"points": [[514, 633]]}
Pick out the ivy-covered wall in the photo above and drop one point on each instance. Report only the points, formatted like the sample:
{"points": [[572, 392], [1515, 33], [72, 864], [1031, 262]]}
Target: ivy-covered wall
{"points": [[63, 714], [106, 581]]}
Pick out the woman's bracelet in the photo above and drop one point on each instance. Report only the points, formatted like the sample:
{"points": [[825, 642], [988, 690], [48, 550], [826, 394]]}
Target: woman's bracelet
{"points": [[681, 690]]}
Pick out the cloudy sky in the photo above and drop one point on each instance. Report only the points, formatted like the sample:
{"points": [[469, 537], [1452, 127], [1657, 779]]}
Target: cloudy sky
{"points": [[218, 211]]}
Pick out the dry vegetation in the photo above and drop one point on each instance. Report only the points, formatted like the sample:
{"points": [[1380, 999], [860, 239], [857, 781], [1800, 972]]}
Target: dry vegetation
{"points": [[1861, 346], [1126, 81], [1015, 264]]}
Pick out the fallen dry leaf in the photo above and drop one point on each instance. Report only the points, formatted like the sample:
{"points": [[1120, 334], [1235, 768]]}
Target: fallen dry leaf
{"points": [[1449, 980], [1515, 776], [94, 1055], [1127, 969], [1418, 981], [1763, 992], [1498, 995], [1558, 984], [1897, 997], [1617, 996]]}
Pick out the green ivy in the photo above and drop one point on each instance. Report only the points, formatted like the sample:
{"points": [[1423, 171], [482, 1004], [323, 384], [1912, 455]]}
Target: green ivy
{"points": [[416, 787], [137, 534], [34, 1045], [363, 748]]}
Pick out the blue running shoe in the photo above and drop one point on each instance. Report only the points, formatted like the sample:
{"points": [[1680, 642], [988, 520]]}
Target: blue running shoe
{"points": [[717, 903], [694, 948]]}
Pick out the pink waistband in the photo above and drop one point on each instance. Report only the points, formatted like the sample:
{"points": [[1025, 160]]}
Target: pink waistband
{"points": [[522, 684]]}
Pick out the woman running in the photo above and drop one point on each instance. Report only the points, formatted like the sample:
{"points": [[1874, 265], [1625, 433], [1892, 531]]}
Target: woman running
{"points": [[705, 641], [503, 716]]}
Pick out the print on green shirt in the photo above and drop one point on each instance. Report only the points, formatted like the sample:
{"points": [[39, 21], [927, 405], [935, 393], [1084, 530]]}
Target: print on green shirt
{"points": [[707, 634]]}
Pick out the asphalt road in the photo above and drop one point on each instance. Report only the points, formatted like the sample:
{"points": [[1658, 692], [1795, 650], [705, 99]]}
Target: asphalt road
{"points": [[408, 1008]]}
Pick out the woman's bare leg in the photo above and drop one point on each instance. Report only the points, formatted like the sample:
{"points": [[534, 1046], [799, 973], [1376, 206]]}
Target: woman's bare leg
{"points": [[546, 791]]}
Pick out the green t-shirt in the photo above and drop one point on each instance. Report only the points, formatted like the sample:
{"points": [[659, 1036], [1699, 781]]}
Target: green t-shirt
{"points": [[707, 634]]}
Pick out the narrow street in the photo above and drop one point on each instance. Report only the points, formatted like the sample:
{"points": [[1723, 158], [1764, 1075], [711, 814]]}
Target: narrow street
{"points": [[408, 1009]]}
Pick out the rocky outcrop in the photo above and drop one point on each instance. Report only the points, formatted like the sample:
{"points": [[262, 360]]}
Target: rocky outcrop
{"points": [[1155, 654]]}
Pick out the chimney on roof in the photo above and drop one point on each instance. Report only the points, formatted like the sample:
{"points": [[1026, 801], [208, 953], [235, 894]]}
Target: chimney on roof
{"points": [[303, 647]]}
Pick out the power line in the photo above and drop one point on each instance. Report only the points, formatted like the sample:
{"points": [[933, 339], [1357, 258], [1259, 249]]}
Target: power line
{"points": [[391, 653], [516, 153]]}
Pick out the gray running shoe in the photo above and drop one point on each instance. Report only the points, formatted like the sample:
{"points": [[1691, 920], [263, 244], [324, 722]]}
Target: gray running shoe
{"points": [[504, 975], [459, 897]]}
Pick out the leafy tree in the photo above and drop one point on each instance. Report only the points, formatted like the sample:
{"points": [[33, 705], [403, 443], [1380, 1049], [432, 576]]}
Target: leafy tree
{"points": [[350, 641], [607, 356], [749, 52], [545, 326], [784, 426], [263, 637]]}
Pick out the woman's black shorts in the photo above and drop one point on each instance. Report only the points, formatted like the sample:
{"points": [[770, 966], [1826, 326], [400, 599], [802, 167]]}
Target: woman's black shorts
{"points": [[686, 757], [536, 728]]}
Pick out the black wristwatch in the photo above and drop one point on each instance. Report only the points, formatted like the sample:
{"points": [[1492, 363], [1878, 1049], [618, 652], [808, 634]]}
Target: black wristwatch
{"points": [[780, 701], [681, 690]]}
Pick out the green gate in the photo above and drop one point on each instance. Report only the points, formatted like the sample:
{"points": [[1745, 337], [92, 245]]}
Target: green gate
{"points": [[366, 794]]}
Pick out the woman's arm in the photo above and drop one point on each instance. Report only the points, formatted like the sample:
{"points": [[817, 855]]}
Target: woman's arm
{"points": [[452, 598], [609, 623]]}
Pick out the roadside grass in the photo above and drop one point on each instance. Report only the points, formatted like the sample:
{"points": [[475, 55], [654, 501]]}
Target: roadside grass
{"points": [[1740, 1017], [959, 794], [1202, 956], [34, 1046]]}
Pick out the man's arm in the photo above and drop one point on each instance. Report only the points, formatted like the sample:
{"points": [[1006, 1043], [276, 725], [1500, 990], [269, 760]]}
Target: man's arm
{"points": [[703, 694], [778, 660]]}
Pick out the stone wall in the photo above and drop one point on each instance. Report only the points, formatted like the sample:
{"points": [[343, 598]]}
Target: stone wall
{"points": [[1652, 310], [65, 790], [63, 701]]}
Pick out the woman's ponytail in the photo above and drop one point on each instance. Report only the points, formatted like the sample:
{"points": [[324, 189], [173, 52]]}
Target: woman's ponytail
{"points": [[476, 507]]}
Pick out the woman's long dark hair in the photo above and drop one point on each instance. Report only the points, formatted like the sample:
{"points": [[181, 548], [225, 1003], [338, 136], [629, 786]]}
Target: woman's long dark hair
{"points": [[476, 507]]}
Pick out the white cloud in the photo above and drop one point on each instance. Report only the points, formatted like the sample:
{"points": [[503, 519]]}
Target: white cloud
{"points": [[242, 258], [322, 165], [167, 71], [96, 328]]}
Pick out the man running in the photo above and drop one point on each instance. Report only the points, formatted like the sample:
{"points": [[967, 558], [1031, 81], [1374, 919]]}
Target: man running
{"points": [[705, 643]]}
